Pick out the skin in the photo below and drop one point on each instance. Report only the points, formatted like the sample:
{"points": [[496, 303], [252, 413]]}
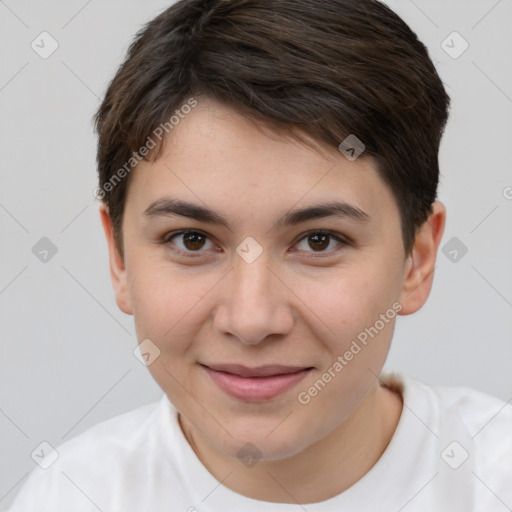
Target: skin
{"points": [[296, 304]]}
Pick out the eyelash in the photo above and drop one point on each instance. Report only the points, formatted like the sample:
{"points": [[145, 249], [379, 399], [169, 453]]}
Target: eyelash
{"points": [[343, 242]]}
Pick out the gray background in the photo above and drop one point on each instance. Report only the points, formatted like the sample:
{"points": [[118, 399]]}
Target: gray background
{"points": [[66, 350]]}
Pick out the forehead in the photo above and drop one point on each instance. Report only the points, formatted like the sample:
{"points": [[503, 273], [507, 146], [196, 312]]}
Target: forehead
{"points": [[216, 156]]}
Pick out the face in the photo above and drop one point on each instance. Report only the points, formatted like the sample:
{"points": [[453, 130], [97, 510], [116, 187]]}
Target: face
{"points": [[255, 264]]}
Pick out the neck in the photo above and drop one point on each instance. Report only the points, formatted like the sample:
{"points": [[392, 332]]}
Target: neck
{"points": [[321, 471]]}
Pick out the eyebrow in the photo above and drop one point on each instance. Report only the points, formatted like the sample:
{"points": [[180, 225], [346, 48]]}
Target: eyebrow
{"points": [[166, 207]]}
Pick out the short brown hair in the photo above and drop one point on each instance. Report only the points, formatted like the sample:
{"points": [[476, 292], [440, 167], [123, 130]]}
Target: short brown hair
{"points": [[326, 68]]}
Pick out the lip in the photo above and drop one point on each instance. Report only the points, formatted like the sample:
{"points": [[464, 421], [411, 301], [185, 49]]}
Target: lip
{"points": [[255, 384]]}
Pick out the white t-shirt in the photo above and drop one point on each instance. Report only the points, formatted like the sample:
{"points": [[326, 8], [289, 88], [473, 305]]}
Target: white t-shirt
{"points": [[451, 451]]}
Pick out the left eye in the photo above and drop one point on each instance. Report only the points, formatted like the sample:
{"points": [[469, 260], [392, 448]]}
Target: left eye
{"points": [[320, 241]]}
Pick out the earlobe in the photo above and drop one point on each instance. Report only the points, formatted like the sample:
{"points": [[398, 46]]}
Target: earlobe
{"points": [[117, 265], [420, 265]]}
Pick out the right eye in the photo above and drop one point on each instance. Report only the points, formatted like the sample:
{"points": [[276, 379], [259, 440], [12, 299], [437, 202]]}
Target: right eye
{"points": [[188, 241]]}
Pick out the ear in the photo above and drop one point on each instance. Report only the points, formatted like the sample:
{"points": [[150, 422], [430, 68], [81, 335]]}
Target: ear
{"points": [[419, 268], [117, 266]]}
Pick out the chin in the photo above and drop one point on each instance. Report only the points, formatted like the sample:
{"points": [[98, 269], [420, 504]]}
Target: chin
{"points": [[256, 443]]}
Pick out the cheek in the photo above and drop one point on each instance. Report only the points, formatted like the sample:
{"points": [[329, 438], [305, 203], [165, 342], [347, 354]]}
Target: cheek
{"points": [[344, 304], [356, 350], [168, 304]]}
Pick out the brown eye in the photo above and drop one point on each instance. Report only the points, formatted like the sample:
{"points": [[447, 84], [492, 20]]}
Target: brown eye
{"points": [[319, 242], [189, 241], [193, 240]]}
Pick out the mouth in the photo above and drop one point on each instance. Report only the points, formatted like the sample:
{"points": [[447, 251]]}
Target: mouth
{"points": [[256, 384]]}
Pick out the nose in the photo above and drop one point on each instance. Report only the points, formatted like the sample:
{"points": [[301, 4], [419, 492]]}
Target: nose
{"points": [[255, 303]]}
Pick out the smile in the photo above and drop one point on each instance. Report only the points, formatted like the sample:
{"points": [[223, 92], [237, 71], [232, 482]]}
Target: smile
{"points": [[255, 384]]}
